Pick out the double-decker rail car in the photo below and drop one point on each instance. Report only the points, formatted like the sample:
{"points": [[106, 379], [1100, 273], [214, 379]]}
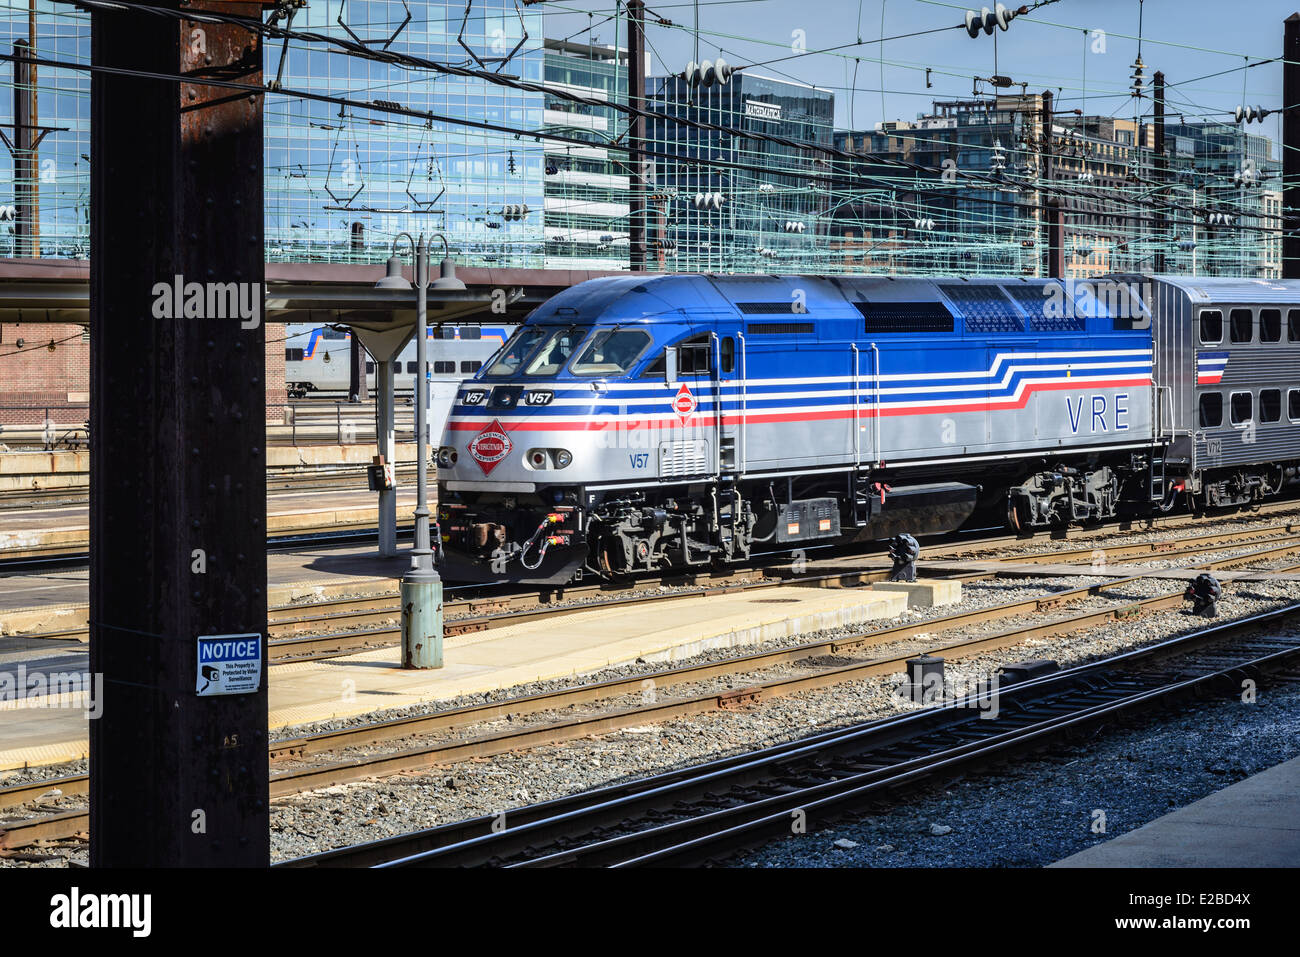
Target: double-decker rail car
{"points": [[637, 423], [316, 357]]}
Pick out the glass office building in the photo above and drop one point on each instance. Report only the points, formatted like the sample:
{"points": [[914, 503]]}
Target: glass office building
{"points": [[341, 182], [586, 183], [773, 196]]}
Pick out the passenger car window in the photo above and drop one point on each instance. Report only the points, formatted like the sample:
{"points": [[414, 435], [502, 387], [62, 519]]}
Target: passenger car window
{"points": [[1240, 322], [1242, 407], [1270, 325], [1293, 404], [611, 352], [1211, 326], [1211, 408], [1293, 325], [1270, 405]]}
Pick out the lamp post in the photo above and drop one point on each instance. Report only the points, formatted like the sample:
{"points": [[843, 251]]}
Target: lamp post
{"points": [[421, 586]]}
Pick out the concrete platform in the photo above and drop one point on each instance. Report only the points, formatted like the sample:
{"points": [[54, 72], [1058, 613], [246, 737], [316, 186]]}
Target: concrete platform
{"points": [[575, 644], [1253, 823]]}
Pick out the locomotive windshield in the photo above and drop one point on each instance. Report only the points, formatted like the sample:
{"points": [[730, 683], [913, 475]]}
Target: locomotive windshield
{"points": [[519, 348], [552, 356], [611, 352]]}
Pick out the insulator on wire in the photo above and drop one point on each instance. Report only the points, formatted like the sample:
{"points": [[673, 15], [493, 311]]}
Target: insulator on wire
{"points": [[793, 226], [1138, 77], [666, 245], [8, 214], [1186, 245], [709, 73], [924, 223], [987, 20], [1251, 114], [708, 201], [514, 212]]}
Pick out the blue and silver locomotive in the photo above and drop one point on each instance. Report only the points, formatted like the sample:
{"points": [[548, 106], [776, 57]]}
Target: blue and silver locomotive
{"points": [[639, 423]]}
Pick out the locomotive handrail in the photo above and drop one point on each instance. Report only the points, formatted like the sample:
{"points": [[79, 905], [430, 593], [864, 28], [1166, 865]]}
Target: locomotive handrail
{"points": [[875, 445], [857, 407], [743, 452]]}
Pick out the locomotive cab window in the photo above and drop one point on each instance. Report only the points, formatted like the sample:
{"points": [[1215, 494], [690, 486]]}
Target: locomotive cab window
{"points": [[1211, 326], [611, 352], [728, 350], [370, 367], [559, 348], [695, 356], [1242, 404], [1270, 405], [1293, 404], [1211, 410], [1270, 325], [1240, 323], [519, 348], [1293, 325]]}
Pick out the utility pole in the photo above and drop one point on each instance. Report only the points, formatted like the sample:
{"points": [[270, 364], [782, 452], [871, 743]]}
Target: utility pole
{"points": [[636, 70], [1055, 213], [356, 352], [1291, 149], [178, 767], [1161, 166]]}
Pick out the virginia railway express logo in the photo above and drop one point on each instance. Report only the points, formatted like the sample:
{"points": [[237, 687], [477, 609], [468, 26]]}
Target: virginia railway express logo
{"points": [[490, 446], [684, 403]]}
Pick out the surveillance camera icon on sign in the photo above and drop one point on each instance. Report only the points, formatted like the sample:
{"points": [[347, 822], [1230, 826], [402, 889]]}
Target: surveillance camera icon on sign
{"points": [[210, 674]]}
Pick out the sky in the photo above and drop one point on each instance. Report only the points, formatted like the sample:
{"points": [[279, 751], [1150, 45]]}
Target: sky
{"points": [[1056, 46]]}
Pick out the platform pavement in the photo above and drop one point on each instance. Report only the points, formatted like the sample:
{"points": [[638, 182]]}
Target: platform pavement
{"points": [[478, 662], [1253, 823]]}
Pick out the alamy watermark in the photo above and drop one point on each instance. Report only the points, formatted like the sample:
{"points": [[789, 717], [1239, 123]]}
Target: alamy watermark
{"points": [[23, 689], [179, 299]]}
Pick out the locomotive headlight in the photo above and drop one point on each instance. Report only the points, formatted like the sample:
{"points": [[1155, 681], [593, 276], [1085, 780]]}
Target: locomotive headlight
{"points": [[447, 457], [562, 458]]}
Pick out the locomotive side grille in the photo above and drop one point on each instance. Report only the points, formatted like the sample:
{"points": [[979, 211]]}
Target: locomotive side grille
{"points": [[984, 308], [905, 316], [1035, 299], [683, 458], [768, 308], [778, 328]]}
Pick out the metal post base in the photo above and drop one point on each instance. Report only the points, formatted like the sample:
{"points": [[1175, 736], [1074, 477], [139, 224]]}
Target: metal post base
{"points": [[421, 619]]}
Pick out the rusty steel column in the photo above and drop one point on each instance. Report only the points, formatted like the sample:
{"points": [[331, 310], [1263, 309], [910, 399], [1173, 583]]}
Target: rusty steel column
{"points": [[357, 390], [1055, 206], [636, 70], [27, 162], [178, 773]]}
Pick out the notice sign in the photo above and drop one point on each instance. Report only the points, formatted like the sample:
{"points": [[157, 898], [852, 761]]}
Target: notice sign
{"points": [[229, 664]]}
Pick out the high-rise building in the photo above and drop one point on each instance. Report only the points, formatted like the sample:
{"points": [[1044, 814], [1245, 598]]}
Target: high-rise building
{"points": [[585, 183], [342, 182], [725, 202]]}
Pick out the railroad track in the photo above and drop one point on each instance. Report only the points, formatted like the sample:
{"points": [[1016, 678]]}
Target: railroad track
{"points": [[701, 814], [661, 709], [321, 480], [341, 626]]}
